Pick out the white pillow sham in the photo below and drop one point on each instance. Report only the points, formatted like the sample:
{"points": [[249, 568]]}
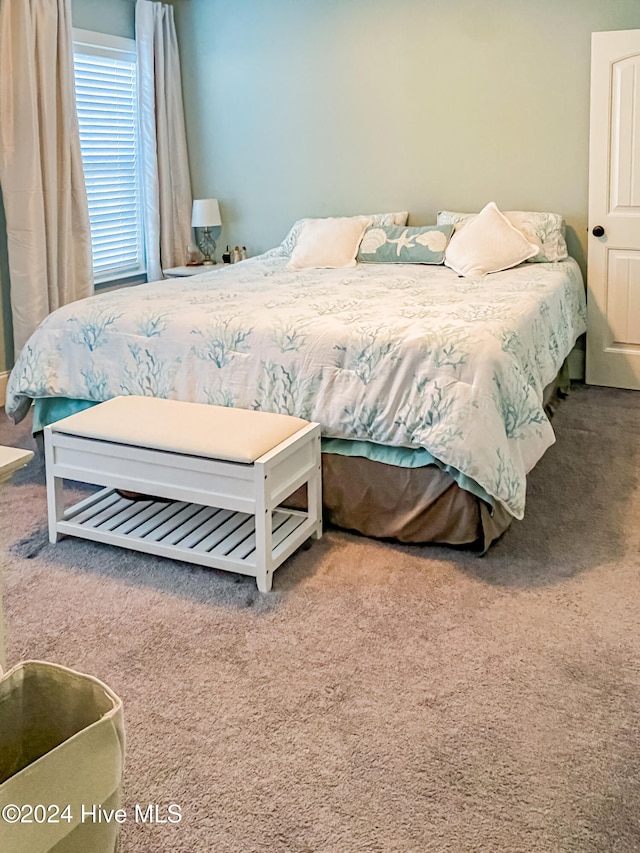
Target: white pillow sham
{"points": [[329, 243], [488, 243]]}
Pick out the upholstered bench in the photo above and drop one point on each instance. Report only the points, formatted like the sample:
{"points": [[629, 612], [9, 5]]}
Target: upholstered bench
{"points": [[212, 481]]}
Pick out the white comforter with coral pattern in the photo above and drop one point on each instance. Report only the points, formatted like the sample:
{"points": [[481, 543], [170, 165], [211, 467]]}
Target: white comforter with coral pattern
{"points": [[402, 355]]}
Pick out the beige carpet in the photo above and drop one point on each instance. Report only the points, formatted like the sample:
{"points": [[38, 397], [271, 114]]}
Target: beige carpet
{"points": [[382, 698]]}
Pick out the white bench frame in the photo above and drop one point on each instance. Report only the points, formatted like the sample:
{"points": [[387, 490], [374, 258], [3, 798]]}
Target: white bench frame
{"points": [[220, 514]]}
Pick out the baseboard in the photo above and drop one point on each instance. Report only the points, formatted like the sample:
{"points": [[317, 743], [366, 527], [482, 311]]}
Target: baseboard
{"points": [[4, 378]]}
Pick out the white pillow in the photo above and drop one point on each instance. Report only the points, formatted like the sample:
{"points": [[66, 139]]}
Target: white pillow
{"points": [[328, 243], [488, 243], [545, 230]]}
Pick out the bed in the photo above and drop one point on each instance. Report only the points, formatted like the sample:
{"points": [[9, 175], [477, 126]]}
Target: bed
{"points": [[429, 386]]}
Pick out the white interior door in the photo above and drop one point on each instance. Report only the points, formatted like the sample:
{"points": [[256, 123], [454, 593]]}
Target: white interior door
{"points": [[613, 339]]}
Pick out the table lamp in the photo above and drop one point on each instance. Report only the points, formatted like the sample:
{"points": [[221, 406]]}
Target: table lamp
{"points": [[206, 215]]}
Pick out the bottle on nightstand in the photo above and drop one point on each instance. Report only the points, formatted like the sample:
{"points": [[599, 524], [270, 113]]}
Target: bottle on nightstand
{"points": [[193, 256]]}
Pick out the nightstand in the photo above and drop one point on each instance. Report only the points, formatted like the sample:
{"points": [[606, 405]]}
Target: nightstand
{"points": [[12, 458], [182, 272]]}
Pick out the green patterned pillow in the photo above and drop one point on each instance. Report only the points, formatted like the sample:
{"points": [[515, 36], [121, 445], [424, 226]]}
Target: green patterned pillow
{"points": [[392, 244]]}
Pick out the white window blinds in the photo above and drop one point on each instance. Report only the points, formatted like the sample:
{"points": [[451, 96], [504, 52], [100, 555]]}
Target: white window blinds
{"points": [[106, 100]]}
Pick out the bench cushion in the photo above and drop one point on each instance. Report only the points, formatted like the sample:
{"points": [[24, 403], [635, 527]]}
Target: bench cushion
{"points": [[195, 429]]}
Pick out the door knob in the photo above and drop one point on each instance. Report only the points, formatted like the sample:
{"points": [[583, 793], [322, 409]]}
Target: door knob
{"points": [[598, 231]]}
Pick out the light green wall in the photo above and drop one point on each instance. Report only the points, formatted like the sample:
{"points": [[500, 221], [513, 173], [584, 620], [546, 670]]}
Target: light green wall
{"points": [[299, 107]]}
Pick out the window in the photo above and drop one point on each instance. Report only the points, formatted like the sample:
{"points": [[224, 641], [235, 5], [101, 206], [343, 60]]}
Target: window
{"points": [[106, 100]]}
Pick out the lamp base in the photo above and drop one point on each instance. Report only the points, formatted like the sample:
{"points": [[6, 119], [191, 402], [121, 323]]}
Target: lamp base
{"points": [[207, 246]]}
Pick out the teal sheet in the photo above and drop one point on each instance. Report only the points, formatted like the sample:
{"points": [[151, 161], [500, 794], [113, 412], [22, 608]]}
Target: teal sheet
{"points": [[49, 409]]}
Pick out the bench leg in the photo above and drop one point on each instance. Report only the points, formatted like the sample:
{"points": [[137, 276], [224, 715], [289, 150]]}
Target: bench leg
{"points": [[264, 550], [55, 485], [264, 581], [55, 506], [314, 489], [264, 529]]}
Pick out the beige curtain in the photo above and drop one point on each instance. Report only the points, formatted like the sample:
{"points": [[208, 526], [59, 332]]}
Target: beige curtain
{"points": [[48, 233], [166, 181]]}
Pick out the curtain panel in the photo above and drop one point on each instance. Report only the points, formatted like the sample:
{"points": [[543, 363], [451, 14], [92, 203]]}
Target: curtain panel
{"points": [[48, 232], [165, 166]]}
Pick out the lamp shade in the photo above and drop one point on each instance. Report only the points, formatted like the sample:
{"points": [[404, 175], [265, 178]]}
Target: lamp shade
{"points": [[206, 213]]}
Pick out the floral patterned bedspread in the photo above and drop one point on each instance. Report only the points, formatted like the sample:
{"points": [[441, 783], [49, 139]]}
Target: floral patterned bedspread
{"points": [[402, 355]]}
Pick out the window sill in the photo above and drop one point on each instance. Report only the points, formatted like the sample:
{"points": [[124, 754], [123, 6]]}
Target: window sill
{"points": [[118, 283]]}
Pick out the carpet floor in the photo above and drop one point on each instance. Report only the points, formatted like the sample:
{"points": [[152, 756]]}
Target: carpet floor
{"points": [[382, 697]]}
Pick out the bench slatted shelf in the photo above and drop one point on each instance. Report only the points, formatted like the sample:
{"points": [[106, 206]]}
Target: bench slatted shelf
{"points": [[211, 501]]}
